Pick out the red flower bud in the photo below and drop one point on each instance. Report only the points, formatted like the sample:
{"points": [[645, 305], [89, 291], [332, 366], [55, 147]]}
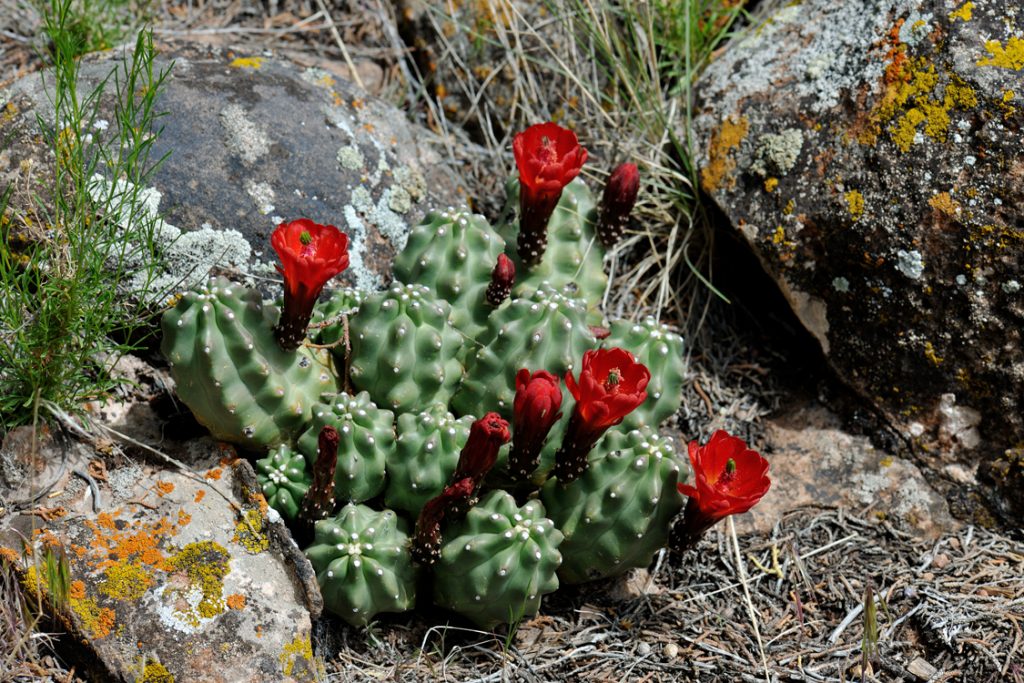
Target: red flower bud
{"points": [[548, 157], [534, 413], [729, 479], [426, 544], [486, 436], [318, 503], [502, 278], [612, 384], [599, 332], [617, 203], [311, 254]]}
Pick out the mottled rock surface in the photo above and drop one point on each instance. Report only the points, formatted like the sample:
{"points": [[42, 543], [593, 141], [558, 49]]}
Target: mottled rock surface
{"points": [[252, 141], [171, 571], [870, 153], [815, 462]]}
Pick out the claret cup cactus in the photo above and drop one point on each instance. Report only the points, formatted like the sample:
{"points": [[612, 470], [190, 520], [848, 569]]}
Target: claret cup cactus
{"points": [[477, 432]]}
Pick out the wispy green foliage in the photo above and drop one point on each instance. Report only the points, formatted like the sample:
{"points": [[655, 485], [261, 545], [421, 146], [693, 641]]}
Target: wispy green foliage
{"points": [[65, 317], [94, 25]]}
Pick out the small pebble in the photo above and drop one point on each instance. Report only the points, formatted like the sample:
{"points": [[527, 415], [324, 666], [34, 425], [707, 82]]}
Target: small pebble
{"points": [[671, 650], [643, 650]]}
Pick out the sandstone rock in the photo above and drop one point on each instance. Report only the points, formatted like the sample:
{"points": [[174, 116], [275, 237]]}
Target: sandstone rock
{"points": [[869, 152], [170, 571], [252, 141], [814, 462]]}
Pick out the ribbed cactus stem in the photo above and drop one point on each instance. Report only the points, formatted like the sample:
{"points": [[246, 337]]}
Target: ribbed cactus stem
{"points": [[502, 278]]}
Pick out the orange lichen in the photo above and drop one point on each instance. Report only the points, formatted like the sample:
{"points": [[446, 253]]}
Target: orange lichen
{"points": [[96, 622], [944, 203], [77, 590], [138, 542], [236, 601], [720, 166], [214, 474], [200, 494], [163, 488]]}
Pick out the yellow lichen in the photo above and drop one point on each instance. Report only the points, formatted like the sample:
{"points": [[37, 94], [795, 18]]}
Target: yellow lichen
{"points": [[945, 203], [96, 622], [929, 353], [1010, 56], [155, 672], [250, 532], [299, 650], [205, 564], [1008, 96], [855, 204], [247, 62], [886, 461], [963, 12], [720, 166], [770, 184], [779, 236], [126, 581], [788, 209]]}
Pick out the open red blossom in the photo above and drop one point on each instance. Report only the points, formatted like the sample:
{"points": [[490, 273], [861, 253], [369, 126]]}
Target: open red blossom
{"points": [[611, 385], [486, 436], [548, 158], [311, 254], [729, 479], [534, 413]]}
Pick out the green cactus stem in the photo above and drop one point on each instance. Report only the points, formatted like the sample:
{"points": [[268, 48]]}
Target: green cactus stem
{"points": [[661, 349], [230, 371], [404, 349], [284, 479], [618, 514], [363, 564], [367, 440], [498, 561]]}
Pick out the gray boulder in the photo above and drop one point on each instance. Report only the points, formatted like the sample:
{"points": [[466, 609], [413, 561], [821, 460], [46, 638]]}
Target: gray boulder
{"points": [[870, 153]]}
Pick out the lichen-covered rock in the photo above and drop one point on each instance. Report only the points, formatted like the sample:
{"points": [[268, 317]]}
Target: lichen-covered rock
{"points": [[869, 152], [254, 140]]}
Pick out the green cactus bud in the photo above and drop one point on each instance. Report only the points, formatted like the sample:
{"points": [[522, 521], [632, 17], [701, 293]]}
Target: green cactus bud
{"points": [[574, 256], [618, 514], [284, 478], [542, 331], [661, 349], [426, 453], [453, 253], [231, 372], [498, 561], [404, 348], [367, 440], [363, 564]]}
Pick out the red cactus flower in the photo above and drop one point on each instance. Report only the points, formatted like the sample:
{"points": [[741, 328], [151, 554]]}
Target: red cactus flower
{"points": [[730, 479], [548, 157], [486, 436], [311, 254], [612, 384], [426, 544], [534, 413], [617, 203], [502, 278]]}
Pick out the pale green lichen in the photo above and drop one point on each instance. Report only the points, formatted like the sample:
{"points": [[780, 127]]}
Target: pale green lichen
{"points": [[777, 152], [351, 158]]}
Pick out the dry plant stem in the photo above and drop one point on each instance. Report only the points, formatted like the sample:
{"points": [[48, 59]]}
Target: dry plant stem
{"points": [[341, 44]]}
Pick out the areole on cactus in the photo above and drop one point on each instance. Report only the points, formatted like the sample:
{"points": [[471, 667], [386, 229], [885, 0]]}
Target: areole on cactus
{"points": [[467, 338]]}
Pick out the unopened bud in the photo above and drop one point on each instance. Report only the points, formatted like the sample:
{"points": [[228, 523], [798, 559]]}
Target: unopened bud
{"points": [[617, 203], [502, 278]]}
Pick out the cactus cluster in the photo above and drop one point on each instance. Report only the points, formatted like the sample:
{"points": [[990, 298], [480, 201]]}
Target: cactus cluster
{"points": [[405, 376]]}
